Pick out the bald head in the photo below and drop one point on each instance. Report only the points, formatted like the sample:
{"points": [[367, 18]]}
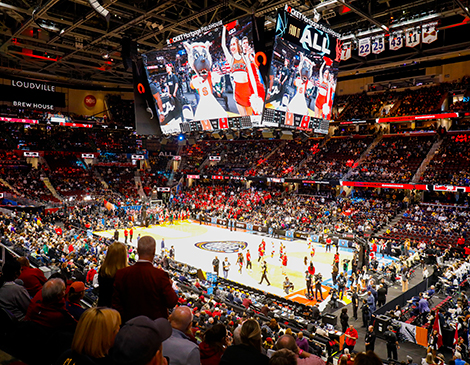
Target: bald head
{"points": [[287, 342], [146, 248], [53, 290], [181, 318]]}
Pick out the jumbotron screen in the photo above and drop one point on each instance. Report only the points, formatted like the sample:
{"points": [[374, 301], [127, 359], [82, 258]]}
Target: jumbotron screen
{"points": [[207, 80], [303, 74]]}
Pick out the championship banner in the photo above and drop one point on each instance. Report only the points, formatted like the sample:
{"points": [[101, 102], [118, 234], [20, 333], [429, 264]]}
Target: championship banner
{"points": [[429, 32], [346, 52], [364, 47], [395, 41], [378, 44], [412, 37]]}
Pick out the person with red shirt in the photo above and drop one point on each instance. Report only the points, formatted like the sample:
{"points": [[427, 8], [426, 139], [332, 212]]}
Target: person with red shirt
{"points": [[126, 234], [33, 279], [284, 264], [131, 234], [351, 337], [260, 252]]}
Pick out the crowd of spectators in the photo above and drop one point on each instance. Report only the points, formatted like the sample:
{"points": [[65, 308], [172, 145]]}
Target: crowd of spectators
{"points": [[451, 163], [395, 159]]}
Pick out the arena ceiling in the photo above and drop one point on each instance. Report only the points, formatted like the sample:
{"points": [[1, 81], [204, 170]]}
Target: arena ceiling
{"points": [[68, 41]]}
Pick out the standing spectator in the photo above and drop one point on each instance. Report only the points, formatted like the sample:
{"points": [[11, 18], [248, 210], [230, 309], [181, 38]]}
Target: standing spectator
{"points": [[432, 342], [214, 344], [91, 274], [142, 289], [371, 302], [33, 279], [178, 347], [370, 339], [226, 267], [365, 313], [351, 337], [116, 258], [343, 318], [13, 297], [381, 295], [404, 278], [355, 302], [215, 265], [392, 343], [302, 342]]}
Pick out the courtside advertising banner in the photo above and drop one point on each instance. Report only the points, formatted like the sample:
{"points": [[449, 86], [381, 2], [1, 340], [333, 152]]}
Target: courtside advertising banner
{"points": [[303, 74], [207, 80]]}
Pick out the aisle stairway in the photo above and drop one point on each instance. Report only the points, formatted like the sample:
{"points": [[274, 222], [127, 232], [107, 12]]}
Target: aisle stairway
{"points": [[53, 191], [6, 184], [363, 156], [391, 223], [427, 160]]}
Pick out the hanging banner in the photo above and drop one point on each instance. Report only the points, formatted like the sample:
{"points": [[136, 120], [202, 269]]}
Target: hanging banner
{"points": [[378, 44], [412, 37], [346, 52], [396, 41], [364, 47], [429, 32]]}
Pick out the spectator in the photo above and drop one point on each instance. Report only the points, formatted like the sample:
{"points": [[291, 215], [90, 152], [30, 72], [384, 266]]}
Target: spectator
{"points": [[93, 338], [116, 258], [33, 279], [248, 352], [214, 344], [13, 297], [139, 342], [178, 347], [76, 292], [142, 289], [302, 342], [283, 357], [303, 357], [351, 337], [370, 358], [48, 307]]}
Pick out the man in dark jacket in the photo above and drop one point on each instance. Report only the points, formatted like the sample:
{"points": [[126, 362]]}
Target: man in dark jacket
{"points": [[370, 339], [381, 295]]}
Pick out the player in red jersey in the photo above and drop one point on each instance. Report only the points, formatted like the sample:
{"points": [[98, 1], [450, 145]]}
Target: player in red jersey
{"points": [[248, 260], [284, 264]]}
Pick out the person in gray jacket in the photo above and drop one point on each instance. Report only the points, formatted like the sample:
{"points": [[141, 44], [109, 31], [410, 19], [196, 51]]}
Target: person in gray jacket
{"points": [[178, 348]]}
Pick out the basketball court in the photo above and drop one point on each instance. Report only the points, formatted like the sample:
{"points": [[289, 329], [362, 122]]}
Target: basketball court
{"points": [[197, 245]]}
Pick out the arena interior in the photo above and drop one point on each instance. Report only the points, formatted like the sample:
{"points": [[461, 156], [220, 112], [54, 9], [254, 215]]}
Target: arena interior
{"points": [[313, 185]]}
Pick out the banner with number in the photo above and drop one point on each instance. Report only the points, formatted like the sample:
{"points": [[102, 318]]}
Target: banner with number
{"points": [[364, 47], [396, 41], [429, 32], [378, 45], [346, 52], [412, 37]]}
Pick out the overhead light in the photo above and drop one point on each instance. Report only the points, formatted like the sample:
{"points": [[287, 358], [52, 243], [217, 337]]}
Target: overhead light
{"points": [[100, 9]]}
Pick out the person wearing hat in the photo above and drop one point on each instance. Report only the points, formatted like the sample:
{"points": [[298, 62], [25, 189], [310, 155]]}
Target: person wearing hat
{"points": [[178, 347], [139, 342], [76, 292]]}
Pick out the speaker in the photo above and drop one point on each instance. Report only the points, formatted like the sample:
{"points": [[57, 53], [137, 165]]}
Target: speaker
{"points": [[191, 141], [182, 142], [128, 52], [100, 10], [164, 141], [267, 134], [217, 135], [231, 136], [287, 135]]}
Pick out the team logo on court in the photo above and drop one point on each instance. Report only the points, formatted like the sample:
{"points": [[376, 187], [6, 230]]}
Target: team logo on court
{"points": [[222, 246]]}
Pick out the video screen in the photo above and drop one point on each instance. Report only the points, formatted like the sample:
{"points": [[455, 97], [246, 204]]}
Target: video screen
{"points": [[303, 74], [207, 80]]}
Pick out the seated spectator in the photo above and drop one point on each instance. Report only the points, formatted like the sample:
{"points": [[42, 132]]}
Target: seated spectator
{"points": [[370, 358], [33, 279], [214, 344], [13, 297], [248, 352], [179, 347], [303, 357], [283, 357], [48, 307], [76, 292], [139, 342], [302, 342], [93, 338]]}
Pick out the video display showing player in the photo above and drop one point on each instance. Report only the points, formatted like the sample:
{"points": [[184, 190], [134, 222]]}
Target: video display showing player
{"points": [[303, 74], [207, 79]]}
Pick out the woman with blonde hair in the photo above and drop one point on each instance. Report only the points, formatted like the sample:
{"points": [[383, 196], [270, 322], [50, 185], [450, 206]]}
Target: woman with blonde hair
{"points": [[249, 351], [116, 258], [93, 338]]}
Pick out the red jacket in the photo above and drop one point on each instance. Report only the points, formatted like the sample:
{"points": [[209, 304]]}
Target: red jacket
{"points": [[209, 356], [33, 279]]}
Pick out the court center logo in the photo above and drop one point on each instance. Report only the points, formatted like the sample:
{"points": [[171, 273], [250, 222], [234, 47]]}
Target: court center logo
{"points": [[222, 246]]}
